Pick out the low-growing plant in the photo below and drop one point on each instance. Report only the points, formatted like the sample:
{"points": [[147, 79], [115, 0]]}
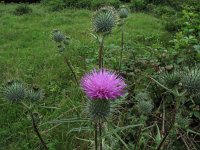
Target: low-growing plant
{"points": [[22, 9], [16, 92], [123, 14], [103, 22], [138, 5], [62, 42]]}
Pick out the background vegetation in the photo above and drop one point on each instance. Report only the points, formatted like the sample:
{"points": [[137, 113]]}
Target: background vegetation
{"points": [[159, 36]]}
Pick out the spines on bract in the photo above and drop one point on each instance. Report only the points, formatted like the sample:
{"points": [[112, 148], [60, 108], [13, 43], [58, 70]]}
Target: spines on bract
{"points": [[191, 80], [61, 39], [104, 20], [170, 80], [144, 103], [58, 36], [99, 110], [14, 92], [34, 95], [123, 12], [145, 106]]}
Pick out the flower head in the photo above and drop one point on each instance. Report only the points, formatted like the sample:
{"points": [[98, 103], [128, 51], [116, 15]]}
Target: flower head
{"points": [[103, 84]]}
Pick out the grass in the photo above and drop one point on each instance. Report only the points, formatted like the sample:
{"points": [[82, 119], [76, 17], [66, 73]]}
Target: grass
{"points": [[28, 53]]}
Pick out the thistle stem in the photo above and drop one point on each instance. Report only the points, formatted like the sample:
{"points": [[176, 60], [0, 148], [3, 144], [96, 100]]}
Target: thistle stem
{"points": [[101, 53], [172, 124], [100, 135], [138, 137], [37, 131], [35, 125], [67, 61], [95, 135], [163, 119], [122, 47]]}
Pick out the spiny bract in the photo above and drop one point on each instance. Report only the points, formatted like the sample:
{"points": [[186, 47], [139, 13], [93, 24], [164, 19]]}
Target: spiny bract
{"points": [[191, 80], [145, 106], [14, 92], [58, 36], [104, 20], [99, 110], [34, 95], [170, 79], [144, 102], [123, 12]]}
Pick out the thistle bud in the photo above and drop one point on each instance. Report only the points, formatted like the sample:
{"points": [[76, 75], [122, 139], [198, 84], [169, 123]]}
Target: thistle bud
{"points": [[14, 92], [123, 12], [104, 20]]}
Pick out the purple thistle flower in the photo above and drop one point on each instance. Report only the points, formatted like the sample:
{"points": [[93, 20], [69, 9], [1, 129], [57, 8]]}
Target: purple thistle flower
{"points": [[103, 84]]}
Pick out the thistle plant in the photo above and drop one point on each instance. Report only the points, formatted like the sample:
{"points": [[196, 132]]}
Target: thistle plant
{"points": [[191, 80], [101, 87], [16, 92], [103, 22], [182, 85], [34, 94], [123, 14], [62, 42], [170, 79], [144, 103]]}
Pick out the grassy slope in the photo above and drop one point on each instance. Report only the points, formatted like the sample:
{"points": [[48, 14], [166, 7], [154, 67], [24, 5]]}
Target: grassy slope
{"points": [[28, 53]]}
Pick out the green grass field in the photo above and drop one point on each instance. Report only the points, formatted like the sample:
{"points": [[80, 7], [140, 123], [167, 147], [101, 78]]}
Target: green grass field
{"points": [[28, 53]]}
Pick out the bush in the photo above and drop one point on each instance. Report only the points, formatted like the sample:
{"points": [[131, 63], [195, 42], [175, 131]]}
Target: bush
{"points": [[97, 4], [160, 10], [172, 25], [56, 5], [138, 5], [22, 9]]}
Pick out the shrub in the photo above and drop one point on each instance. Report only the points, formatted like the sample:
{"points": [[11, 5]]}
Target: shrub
{"points": [[138, 5], [56, 5], [163, 10], [97, 4], [172, 25], [22, 9]]}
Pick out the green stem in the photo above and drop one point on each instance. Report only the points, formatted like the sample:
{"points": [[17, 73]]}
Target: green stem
{"points": [[122, 47], [101, 53], [163, 86], [67, 61], [178, 98], [35, 128], [95, 136], [37, 131], [100, 135], [138, 137]]}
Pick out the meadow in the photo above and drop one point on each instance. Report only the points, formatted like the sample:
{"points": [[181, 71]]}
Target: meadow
{"points": [[28, 53]]}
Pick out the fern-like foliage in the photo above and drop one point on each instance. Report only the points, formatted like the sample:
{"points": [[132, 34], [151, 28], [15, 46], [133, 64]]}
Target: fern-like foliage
{"points": [[14, 92], [104, 20], [191, 80]]}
